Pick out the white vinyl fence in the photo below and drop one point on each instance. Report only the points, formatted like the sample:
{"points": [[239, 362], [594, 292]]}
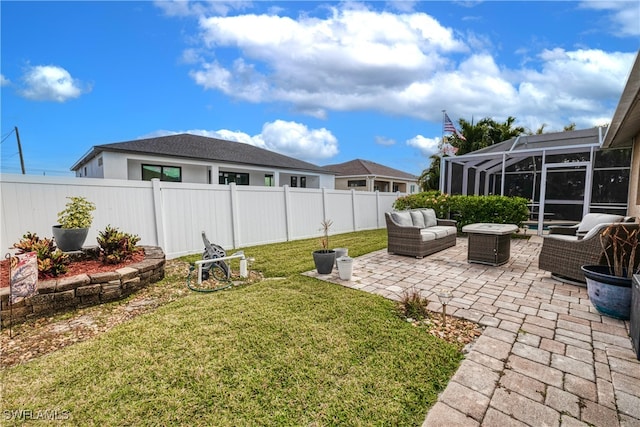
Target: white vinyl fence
{"points": [[173, 215]]}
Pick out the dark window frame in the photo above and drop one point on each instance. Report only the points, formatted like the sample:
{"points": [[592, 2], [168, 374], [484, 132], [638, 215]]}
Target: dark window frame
{"points": [[161, 173], [226, 178]]}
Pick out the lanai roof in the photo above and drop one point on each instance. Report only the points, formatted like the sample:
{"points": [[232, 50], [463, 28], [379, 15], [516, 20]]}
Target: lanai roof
{"points": [[523, 146]]}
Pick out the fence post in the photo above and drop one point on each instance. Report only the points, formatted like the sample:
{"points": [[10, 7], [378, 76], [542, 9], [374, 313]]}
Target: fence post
{"points": [[158, 213], [354, 208], [287, 212], [377, 208], [235, 222], [324, 204]]}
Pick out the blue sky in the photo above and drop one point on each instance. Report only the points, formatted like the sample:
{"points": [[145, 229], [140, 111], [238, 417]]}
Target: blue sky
{"points": [[325, 82]]}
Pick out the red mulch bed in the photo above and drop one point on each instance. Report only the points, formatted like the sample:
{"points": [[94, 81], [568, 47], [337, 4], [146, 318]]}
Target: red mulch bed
{"points": [[74, 268]]}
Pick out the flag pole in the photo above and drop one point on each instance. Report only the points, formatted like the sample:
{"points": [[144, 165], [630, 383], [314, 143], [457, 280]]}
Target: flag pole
{"points": [[444, 113]]}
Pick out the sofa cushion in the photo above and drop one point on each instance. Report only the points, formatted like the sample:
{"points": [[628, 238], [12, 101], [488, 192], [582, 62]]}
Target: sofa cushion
{"points": [[562, 237], [591, 220], [427, 235], [441, 231], [596, 230], [402, 218], [430, 219], [417, 218]]}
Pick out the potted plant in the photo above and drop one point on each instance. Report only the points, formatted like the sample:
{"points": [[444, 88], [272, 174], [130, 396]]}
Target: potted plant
{"points": [[324, 258], [73, 225], [609, 285]]}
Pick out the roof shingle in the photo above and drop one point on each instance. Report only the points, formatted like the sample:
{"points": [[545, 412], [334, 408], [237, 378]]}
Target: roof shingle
{"points": [[365, 167], [188, 146]]}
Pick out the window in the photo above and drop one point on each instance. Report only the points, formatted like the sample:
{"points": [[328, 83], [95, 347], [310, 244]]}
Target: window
{"points": [[99, 161], [269, 181], [225, 178], [413, 188], [163, 173], [357, 183], [303, 181], [294, 181], [396, 188]]}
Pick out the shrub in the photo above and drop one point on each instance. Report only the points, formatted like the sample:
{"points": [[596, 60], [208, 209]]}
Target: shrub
{"points": [[116, 246], [413, 305], [77, 213], [51, 262], [435, 200], [469, 209], [491, 209]]}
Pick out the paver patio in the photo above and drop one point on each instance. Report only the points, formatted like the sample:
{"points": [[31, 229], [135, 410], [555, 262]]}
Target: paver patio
{"points": [[545, 358]]}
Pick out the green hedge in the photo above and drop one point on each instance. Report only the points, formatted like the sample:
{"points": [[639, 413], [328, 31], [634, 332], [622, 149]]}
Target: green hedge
{"points": [[469, 209]]}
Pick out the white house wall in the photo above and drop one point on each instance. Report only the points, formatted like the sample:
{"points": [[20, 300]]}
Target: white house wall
{"points": [[173, 215], [634, 180], [92, 169], [129, 166]]}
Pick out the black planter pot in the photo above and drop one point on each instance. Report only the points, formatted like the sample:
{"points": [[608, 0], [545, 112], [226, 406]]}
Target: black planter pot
{"points": [[324, 260], [609, 294], [69, 239]]}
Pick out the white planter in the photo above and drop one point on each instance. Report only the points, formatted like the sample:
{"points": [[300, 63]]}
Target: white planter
{"points": [[345, 267], [340, 252]]}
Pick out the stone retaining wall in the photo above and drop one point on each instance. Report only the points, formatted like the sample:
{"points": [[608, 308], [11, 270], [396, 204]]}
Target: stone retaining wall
{"points": [[83, 290]]}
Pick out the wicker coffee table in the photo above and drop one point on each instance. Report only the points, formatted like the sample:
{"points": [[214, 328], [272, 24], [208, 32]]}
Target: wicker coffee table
{"points": [[489, 243]]}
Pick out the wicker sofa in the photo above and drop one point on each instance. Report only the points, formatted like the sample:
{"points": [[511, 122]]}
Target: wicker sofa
{"points": [[565, 249], [418, 232]]}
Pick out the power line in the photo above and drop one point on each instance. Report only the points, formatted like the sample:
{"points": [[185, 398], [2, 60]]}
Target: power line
{"points": [[7, 135]]}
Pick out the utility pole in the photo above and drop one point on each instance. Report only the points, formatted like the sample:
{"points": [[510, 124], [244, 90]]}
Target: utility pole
{"points": [[20, 150]]}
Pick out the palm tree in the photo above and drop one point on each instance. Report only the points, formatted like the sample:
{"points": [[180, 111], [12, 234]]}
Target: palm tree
{"points": [[476, 136], [429, 179]]}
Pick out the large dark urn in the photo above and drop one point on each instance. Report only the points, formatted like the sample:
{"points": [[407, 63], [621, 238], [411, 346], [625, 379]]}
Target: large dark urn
{"points": [[324, 259], [609, 294], [69, 239]]}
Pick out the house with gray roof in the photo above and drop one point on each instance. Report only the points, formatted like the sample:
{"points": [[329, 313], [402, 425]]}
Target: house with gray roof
{"points": [[199, 159], [364, 175]]}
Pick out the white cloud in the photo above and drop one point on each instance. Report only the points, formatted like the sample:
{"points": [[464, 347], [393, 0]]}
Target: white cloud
{"points": [[426, 146], [404, 64], [3, 80], [198, 8], [624, 16], [353, 59], [50, 83], [284, 137], [381, 140]]}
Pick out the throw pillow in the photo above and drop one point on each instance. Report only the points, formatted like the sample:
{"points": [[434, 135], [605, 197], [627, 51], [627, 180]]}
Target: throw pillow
{"points": [[402, 218], [418, 219], [430, 219]]}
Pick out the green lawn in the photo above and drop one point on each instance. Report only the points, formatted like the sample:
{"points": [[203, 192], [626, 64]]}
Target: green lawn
{"points": [[289, 351]]}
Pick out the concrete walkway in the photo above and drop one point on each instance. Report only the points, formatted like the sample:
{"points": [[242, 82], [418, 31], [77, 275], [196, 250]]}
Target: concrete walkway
{"points": [[545, 358]]}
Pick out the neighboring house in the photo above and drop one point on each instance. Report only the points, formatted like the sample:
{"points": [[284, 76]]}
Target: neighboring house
{"points": [[363, 175], [199, 159], [624, 132]]}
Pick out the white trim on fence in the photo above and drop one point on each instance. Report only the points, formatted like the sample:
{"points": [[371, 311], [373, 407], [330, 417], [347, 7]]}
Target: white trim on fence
{"points": [[173, 215]]}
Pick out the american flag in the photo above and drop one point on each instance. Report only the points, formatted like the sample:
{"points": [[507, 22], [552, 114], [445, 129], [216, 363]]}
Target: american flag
{"points": [[450, 127]]}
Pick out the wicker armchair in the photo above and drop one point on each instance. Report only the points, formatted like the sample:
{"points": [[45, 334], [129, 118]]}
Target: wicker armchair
{"points": [[564, 254], [419, 241]]}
